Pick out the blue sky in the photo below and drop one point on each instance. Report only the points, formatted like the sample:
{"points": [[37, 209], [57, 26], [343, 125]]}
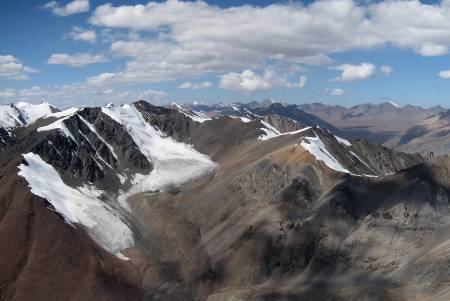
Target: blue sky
{"points": [[344, 52]]}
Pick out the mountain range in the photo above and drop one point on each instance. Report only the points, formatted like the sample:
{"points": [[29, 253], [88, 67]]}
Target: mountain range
{"points": [[258, 201]]}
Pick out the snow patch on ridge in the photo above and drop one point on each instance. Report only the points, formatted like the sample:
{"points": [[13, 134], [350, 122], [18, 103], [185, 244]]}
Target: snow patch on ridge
{"points": [[269, 131], [197, 116], [82, 205], [317, 148], [272, 132], [194, 115], [58, 125], [343, 141]]}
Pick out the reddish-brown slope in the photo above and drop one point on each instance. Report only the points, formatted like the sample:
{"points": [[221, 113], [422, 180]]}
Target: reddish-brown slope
{"points": [[44, 258]]}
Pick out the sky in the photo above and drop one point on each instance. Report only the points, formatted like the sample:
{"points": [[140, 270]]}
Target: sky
{"points": [[91, 52]]}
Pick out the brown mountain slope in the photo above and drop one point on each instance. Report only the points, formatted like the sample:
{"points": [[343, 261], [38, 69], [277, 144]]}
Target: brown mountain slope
{"points": [[272, 222], [432, 135], [282, 226], [43, 258]]}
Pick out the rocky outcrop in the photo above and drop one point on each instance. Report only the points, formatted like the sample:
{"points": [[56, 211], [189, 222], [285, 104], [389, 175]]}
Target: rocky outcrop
{"points": [[297, 114], [169, 121], [6, 139], [85, 157], [384, 160]]}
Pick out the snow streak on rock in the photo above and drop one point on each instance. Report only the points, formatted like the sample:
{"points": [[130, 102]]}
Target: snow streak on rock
{"points": [[317, 148]]}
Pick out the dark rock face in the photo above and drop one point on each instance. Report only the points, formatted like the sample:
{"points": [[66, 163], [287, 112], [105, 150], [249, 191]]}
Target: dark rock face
{"points": [[283, 124], [118, 138], [6, 139], [169, 121], [382, 159], [293, 112], [85, 156]]}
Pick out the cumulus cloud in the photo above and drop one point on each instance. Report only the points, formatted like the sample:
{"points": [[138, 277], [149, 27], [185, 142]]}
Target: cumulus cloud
{"points": [[182, 46], [76, 60], [195, 86], [335, 92], [386, 70], [84, 92], [73, 7], [430, 49], [151, 94], [305, 30], [300, 84], [79, 34], [249, 81], [352, 73], [12, 68], [445, 74]]}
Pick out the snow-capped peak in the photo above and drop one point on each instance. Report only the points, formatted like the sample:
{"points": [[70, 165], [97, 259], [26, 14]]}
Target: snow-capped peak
{"points": [[31, 112], [394, 104], [23, 113]]}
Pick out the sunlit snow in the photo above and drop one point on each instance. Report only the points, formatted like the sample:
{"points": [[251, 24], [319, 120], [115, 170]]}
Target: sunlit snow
{"points": [[80, 205], [174, 162], [317, 148], [31, 112]]}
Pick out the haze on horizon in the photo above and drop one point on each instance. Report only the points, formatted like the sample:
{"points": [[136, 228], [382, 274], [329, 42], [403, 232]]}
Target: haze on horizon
{"points": [[342, 52]]}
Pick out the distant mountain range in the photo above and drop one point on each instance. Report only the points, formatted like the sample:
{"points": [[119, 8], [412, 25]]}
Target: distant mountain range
{"points": [[379, 122], [385, 123]]}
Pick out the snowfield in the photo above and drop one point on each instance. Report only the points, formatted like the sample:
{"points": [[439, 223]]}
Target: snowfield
{"points": [[80, 205], [22, 113], [174, 162], [31, 112]]}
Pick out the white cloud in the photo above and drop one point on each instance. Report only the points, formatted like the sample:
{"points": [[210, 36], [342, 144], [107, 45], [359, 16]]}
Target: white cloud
{"points": [[101, 79], [12, 68], [151, 94], [75, 60], [79, 34], [84, 92], [300, 84], [7, 93], [251, 82], [386, 70], [352, 73], [195, 86], [430, 49], [73, 7], [194, 38], [445, 74], [305, 30], [335, 92]]}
